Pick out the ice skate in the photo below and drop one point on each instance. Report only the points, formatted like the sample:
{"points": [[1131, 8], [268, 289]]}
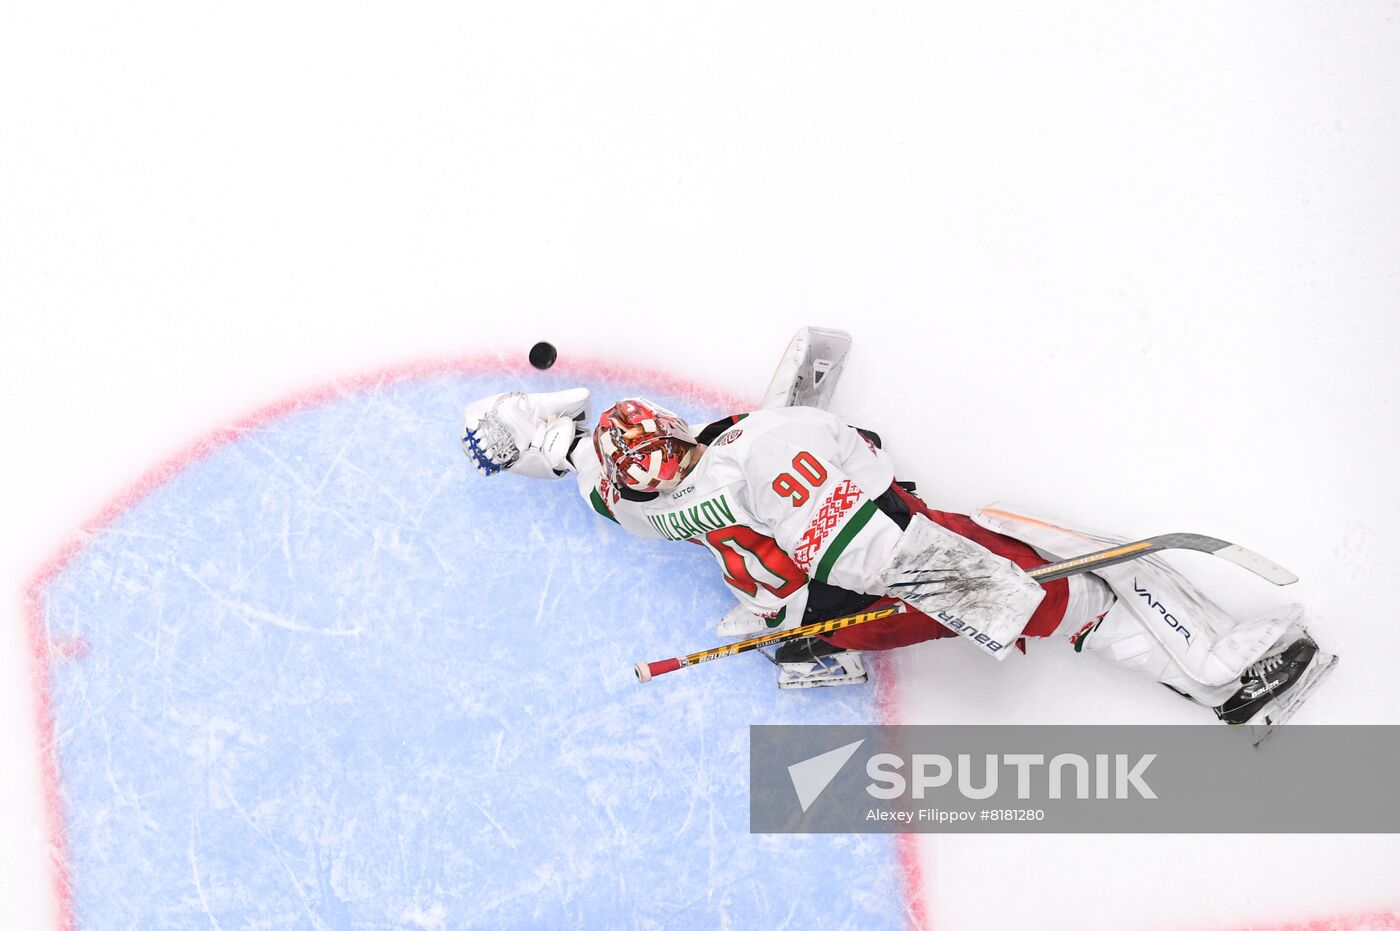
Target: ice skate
{"points": [[811, 663], [1272, 689]]}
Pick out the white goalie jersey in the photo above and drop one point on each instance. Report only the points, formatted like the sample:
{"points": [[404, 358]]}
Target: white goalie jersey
{"points": [[780, 497]]}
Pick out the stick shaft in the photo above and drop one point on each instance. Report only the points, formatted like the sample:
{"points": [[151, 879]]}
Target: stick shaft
{"points": [[1266, 569], [1103, 558], [646, 671]]}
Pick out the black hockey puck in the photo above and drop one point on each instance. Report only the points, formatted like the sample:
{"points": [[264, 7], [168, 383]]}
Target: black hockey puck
{"points": [[542, 355]]}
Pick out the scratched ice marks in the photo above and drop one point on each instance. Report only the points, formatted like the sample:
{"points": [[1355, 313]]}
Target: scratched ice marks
{"points": [[332, 680]]}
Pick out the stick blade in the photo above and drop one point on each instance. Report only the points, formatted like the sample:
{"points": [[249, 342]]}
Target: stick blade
{"points": [[1264, 568], [1261, 566]]}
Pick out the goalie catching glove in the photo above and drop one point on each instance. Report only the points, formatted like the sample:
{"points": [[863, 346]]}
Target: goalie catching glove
{"points": [[525, 434]]}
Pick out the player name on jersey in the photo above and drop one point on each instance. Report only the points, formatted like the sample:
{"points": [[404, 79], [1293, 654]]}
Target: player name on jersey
{"points": [[684, 523]]}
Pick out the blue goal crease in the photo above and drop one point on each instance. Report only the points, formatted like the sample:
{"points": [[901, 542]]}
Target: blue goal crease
{"points": [[336, 679]]}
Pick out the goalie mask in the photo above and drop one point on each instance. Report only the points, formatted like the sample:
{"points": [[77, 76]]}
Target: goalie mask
{"points": [[643, 446]]}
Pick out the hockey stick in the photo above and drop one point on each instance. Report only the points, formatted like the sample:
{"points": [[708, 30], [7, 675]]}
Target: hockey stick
{"points": [[646, 671], [1264, 568]]}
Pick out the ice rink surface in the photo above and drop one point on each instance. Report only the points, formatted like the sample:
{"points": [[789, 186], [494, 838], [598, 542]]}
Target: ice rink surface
{"points": [[328, 677], [1136, 266]]}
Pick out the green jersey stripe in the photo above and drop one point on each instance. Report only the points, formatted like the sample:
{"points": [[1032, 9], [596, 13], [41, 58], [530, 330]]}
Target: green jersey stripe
{"points": [[843, 539], [596, 500]]}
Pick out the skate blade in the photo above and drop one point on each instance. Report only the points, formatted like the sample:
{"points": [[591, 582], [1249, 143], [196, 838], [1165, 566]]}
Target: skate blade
{"points": [[1273, 715], [823, 683]]}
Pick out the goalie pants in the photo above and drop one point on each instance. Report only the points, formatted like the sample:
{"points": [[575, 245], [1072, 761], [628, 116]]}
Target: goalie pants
{"points": [[915, 627]]}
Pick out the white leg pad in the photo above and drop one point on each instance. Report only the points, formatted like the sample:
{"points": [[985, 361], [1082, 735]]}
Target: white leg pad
{"points": [[1121, 639], [1089, 598], [810, 368], [1208, 646]]}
